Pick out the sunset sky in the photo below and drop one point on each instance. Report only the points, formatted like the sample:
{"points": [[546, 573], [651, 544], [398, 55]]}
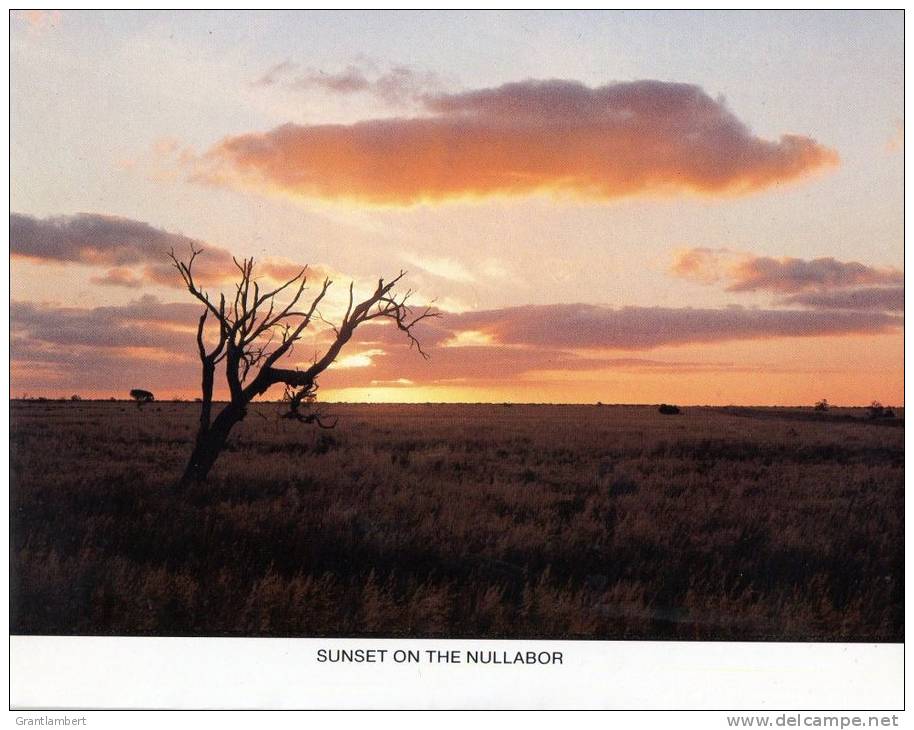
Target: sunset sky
{"points": [[626, 207]]}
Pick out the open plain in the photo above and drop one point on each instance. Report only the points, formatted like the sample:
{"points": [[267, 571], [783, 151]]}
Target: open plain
{"points": [[508, 521]]}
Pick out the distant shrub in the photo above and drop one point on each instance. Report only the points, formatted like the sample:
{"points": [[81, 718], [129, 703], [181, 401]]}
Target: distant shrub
{"points": [[877, 410], [141, 396], [75, 397], [668, 410], [821, 405]]}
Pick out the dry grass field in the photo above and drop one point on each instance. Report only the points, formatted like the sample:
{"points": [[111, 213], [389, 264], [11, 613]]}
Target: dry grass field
{"points": [[609, 522]]}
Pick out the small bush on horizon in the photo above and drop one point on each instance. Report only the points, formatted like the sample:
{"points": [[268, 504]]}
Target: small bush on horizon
{"points": [[877, 410]]}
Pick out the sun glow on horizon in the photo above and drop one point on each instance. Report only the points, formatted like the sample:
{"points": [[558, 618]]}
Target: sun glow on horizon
{"points": [[663, 234]]}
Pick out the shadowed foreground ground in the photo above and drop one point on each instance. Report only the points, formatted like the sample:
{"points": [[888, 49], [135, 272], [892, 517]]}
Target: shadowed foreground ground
{"points": [[463, 521]]}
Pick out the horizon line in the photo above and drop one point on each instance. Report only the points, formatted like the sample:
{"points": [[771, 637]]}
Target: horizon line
{"points": [[597, 404]]}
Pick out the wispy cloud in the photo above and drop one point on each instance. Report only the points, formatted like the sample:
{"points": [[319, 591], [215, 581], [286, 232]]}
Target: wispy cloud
{"points": [[396, 86], [645, 137], [275, 74], [347, 81], [442, 267]]}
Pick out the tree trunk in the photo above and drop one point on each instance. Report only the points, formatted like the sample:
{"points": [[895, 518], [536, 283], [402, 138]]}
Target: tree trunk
{"points": [[209, 444], [206, 407]]}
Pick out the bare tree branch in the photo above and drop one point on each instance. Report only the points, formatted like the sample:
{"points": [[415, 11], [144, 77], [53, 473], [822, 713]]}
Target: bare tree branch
{"points": [[249, 326]]}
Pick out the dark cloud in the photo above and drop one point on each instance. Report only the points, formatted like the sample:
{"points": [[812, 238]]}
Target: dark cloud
{"points": [[93, 239], [136, 252], [144, 323], [788, 275], [743, 272], [882, 299], [149, 322], [645, 137], [146, 343], [640, 328], [64, 369], [572, 338]]}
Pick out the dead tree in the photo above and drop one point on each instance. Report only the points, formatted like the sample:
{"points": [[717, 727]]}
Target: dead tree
{"points": [[255, 331]]}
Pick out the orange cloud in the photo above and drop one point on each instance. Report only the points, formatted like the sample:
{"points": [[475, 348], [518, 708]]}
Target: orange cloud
{"points": [[704, 265], [119, 276], [645, 137]]}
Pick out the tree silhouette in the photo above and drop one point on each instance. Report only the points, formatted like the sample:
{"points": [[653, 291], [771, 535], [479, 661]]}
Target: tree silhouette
{"points": [[255, 332], [141, 396]]}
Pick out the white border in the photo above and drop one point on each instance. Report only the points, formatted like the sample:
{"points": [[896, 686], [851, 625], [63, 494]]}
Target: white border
{"points": [[194, 673], [81, 672]]}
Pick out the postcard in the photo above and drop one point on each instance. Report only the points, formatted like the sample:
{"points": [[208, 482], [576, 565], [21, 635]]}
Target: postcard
{"points": [[456, 359]]}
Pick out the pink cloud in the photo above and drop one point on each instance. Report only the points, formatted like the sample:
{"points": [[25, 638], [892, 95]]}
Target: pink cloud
{"points": [[645, 137]]}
